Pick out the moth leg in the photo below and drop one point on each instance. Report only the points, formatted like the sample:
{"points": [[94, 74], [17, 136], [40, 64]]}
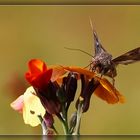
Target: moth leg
{"points": [[102, 74], [89, 65], [110, 73], [113, 83]]}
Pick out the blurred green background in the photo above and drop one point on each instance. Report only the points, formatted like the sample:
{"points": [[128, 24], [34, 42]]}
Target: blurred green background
{"points": [[42, 32]]}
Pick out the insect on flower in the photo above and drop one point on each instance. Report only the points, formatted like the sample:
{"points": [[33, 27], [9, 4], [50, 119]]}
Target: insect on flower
{"points": [[100, 86], [102, 61]]}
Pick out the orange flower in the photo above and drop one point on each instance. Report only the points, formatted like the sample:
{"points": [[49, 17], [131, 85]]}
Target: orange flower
{"points": [[38, 75], [43, 79], [105, 90]]}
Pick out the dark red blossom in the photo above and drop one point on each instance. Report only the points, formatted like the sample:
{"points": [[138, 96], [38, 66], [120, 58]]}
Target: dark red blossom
{"points": [[70, 86], [48, 118], [49, 99], [88, 86]]}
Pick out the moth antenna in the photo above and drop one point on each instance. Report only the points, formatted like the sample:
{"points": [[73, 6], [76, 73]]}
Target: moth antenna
{"points": [[80, 51], [91, 25], [88, 66], [96, 39], [93, 30]]}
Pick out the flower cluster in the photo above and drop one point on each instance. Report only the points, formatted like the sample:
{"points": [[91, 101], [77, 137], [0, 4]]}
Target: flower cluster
{"points": [[52, 91]]}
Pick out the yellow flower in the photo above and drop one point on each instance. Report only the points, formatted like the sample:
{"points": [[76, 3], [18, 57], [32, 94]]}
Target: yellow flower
{"points": [[30, 105]]}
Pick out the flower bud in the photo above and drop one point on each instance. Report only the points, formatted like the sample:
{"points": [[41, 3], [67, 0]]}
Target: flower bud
{"points": [[49, 99], [70, 86], [88, 87]]}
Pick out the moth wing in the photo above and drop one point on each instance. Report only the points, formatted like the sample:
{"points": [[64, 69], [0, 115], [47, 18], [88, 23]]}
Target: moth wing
{"points": [[97, 45], [98, 48], [129, 57]]}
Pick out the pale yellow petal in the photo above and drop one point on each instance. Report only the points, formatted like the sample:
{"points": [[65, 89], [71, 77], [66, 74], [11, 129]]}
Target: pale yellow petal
{"points": [[32, 108]]}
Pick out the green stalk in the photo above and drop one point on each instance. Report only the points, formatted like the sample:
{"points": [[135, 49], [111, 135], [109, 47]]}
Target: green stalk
{"points": [[44, 127], [63, 118], [65, 122], [55, 130], [79, 114]]}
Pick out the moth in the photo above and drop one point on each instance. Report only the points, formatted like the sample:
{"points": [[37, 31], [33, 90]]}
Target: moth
{"points": [[102, 61]]}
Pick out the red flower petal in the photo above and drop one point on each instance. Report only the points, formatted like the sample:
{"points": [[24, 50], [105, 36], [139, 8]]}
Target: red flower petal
{"points": [[38, 75], [36, 66]]}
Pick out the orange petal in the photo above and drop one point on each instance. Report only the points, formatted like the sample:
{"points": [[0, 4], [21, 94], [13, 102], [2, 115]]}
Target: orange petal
{"points": [[81, 71], [107, 92], [58, 72], [39, 80], [36, 66], [60, 80]]}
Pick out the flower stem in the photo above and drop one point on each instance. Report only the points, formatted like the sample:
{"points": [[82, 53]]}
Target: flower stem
{"points": [[79, 114], [44, 127], [65, 126], [65, 122], [55, 130]]}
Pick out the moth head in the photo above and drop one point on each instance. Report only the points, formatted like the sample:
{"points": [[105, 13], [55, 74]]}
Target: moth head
{"points": [[96, 66]]}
